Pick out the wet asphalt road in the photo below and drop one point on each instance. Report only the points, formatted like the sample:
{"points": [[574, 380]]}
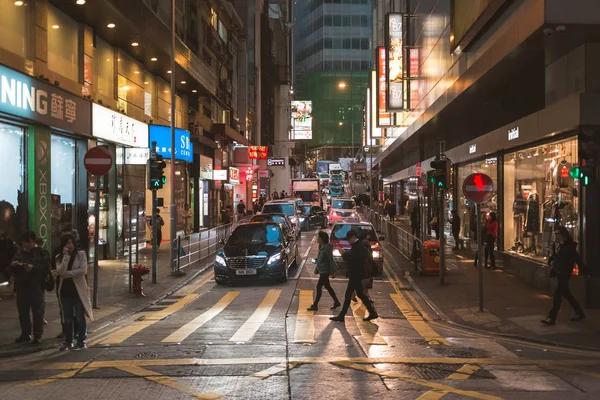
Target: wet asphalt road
{"points": [[256, 340]]}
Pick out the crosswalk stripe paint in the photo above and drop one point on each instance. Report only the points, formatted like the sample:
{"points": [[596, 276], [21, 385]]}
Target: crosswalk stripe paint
{"points": [[368, 330], [274, 370], [186, 330], [260, 315], [305, 320], [416, 321], [463, 373]]}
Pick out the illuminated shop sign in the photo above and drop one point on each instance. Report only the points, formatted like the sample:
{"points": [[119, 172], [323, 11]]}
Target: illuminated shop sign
{"points": [[395, 62]]}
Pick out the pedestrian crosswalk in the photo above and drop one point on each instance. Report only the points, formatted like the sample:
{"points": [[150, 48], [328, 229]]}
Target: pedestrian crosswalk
{"points": [[238, 316]]}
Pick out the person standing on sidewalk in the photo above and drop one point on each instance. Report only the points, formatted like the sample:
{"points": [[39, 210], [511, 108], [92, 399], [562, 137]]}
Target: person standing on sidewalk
{"points": [[356, 259], [326, 268], [491, 235], [455, 223], [391, 210], [562, 261], [160, 222], [241, 210], [74, 295], [30, 266], [56, 252]]}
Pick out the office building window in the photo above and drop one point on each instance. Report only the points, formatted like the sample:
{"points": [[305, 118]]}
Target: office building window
{"points": [[13, 28], [105, 68], [63, 44]]}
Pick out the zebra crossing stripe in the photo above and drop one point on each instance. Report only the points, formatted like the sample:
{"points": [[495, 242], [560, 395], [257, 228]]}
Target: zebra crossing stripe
{"points": [[260, 315]]}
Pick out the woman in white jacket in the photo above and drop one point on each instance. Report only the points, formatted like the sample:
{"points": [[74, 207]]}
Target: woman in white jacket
{"points": [[74, 297]]}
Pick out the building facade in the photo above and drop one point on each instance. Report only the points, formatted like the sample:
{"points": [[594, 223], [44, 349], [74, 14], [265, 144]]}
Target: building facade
{"points": [[507, 88]]}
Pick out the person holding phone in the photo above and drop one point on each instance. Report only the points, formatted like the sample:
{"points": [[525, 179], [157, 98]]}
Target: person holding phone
{"points": [[74, 296]]}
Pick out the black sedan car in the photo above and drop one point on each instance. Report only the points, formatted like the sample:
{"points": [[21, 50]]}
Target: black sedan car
{"points": [[288, 228], [256, 251], [312, 217]]}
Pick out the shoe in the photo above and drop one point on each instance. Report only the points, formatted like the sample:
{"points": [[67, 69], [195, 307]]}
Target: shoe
{"points": [[354, 299], [60, 335], [23, 339], [312, 308], [339, 318], [335, 305], [36, 340], [66, 346], [45, 322], [80, 346], [548, 321], [371, 316], [578, 317]]}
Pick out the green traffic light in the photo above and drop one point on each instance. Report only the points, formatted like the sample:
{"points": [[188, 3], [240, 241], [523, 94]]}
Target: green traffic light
{"points": [[163, 179], [432, 179], [575, 173], [440, 184]]}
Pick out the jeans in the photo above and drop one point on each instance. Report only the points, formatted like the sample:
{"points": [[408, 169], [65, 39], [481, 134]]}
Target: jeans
{"points": [[562, 289], [30, 302], [489, 250], [324, 282], [72, 308], [355, 285]]}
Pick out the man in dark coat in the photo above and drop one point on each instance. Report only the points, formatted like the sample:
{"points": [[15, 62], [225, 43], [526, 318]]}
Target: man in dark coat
{"points": [[356, 259]]}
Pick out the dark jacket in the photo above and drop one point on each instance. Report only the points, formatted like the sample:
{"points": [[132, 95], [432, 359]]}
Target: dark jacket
{"points": [[356, 259], [455, 222], [325, 262], [564, 259], [40, 259]]}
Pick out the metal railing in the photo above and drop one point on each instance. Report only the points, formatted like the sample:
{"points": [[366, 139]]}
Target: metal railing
{"points": [[410, 246], [201, 245]]}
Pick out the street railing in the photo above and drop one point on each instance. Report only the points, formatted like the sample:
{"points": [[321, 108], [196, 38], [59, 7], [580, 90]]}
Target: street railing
{"points": [[201, 245], [410, 246]]}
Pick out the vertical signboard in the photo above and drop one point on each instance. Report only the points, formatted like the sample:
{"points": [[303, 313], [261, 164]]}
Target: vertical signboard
{"points": [[384, 118], [39, 184], [395, 62], [302, 119]]}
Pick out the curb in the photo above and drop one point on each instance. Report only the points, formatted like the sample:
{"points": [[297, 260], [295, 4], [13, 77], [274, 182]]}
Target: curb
{"points": [[15, 352], [444, 318]]}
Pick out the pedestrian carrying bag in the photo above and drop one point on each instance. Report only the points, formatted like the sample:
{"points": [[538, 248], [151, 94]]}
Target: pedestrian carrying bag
{"points": [[49, 282]]}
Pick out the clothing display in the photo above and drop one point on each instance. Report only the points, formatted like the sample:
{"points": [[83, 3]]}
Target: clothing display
{"points": [[533, 213]]}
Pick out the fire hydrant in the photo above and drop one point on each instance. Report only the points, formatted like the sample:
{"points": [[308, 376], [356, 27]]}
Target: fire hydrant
{"points": [[137, 272]]}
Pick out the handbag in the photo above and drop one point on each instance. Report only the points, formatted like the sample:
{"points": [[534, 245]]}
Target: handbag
{"points": [[49, 282]]}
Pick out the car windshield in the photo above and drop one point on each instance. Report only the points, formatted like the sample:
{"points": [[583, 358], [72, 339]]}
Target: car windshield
{"points": [[340, 231], [255, 234], [285, 208], [343, 204], [305, 209]]}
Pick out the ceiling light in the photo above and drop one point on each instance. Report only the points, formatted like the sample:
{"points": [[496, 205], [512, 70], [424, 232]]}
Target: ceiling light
{"points": [[55, 26], [135, 44], [136, 72], [169, 71], [111, 25], [183, 82], [125, 88], [154, 59], [146, 82], [166, 91], [18, 3], [194, 91], [80, 2]]}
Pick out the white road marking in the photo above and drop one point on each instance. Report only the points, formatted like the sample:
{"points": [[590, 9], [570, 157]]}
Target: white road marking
{"points": [[304, 257]]}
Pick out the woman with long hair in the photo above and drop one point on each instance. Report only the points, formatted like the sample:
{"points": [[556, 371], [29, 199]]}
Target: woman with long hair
{"points": [[325, 267], [74, 296]]}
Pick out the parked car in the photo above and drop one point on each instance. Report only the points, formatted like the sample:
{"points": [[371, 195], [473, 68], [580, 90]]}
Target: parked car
{"points": [[341, 245], [256, 251], [343, 209], [283, 207], [311, 217]]}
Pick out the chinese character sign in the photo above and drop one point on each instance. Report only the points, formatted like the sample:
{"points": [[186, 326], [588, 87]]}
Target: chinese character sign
{"points": [[384, 118], [302, 119], [184, 149], [116, 127], [234, 175], [258, 152], [395, 64]]}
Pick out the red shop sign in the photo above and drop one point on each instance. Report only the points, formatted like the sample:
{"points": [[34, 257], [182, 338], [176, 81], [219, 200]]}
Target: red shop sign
{"points": [[258, 152]]}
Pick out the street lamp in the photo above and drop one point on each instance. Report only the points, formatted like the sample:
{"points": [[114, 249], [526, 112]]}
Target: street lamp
{"points": [[340, 123], [342, 85]]}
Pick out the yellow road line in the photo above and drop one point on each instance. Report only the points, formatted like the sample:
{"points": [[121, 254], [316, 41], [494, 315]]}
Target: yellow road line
{"points": [[463, 373], [273, 370], [422, 382], [417, 322], [305, 320], [260, 315], [62, 375], [186, 330], [170, 382], [368, 330], [397, 285]]}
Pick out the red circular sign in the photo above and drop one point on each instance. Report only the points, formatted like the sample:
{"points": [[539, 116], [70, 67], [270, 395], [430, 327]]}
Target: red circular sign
{"points": [[478, 187], [98, 161]]}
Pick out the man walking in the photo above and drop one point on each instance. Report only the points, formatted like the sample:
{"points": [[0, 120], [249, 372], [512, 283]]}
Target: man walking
{"points": [[241, 210], [455, 223], [356, 259]]}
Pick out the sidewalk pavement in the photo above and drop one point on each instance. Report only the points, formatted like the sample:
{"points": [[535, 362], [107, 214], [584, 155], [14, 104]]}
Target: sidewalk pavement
{"points": [[114, 300], [511, 306]]}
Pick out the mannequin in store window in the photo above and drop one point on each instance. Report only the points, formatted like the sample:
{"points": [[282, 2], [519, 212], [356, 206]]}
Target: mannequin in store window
{"points": [[519, 210], [532, 221]]}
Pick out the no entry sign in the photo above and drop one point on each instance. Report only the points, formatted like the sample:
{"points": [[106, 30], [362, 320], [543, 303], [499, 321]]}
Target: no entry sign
{"points": [[478, 187], [98, 161]]}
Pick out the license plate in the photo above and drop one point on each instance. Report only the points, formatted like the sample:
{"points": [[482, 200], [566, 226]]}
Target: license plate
{"points": [[251, 271]]}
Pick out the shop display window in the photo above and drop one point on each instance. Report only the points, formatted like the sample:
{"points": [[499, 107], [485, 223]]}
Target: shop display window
{"points": [[465, 207], [13, 205], [539, 194], [62, 182]]}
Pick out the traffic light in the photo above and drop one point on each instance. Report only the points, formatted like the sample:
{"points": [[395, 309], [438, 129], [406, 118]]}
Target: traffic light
{"points": [[156, 179], [587, 174], [589, 150], [442, 169]]}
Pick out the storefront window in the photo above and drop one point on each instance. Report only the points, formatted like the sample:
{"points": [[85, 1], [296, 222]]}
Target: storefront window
{"points": [[12, 202], [105, 68], [465, 207], [538, 194], [13, 27], [63, 44], [62, 179]]}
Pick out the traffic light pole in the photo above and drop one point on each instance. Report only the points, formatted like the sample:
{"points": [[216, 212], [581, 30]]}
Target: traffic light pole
{"points": [[154, 224], [442, 238], [479, 255], [173, 208]]}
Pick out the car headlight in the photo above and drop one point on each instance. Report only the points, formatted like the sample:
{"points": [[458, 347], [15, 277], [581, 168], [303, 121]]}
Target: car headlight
{"points": [[336, 253], [274, 259], [220, 260], [376, 254], [354, 215]]}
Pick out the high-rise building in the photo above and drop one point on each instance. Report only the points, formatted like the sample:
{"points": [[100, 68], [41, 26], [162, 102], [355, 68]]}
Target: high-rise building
{"points": [[332, 41]]}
